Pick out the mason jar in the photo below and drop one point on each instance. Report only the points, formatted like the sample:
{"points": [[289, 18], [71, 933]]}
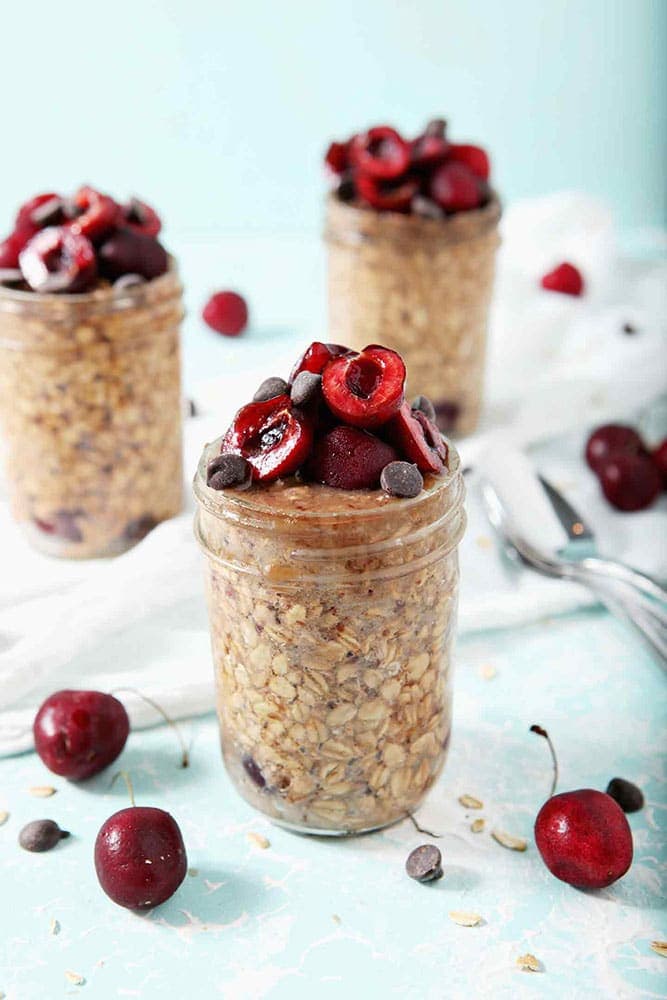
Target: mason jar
{"points": [[332, 618], [90, 414], [422, 287]]}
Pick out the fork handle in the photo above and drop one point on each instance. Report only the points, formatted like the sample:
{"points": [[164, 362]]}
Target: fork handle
{"points": [[623, 604], [612, 569]]}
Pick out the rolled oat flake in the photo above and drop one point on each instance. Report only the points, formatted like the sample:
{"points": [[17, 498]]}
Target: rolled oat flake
{"points": [[41, 835], [270, 388], [401, 479], [424, 864], [306, 386], [228, 470]]}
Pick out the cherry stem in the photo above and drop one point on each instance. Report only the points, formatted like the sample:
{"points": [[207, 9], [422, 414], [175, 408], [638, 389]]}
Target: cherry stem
{"points": [[544, 734], [185, 753], [128, 781], [421, 829]]}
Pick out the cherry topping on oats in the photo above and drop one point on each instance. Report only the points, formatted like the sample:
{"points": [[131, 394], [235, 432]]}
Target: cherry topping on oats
{"points": [[315, 357], [273, 436], [350, 459], [418, 439], [98, 213], [455, 187], [380, 152], [387, 197], [365, 389], [474, 157], [27, 217], [58, 260], [141, 218]]}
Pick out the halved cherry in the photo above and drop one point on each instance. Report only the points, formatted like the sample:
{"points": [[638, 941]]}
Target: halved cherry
{"points": [[24, 216], [11, 247], [273, 437], [418, 439], [97, 214], [58, 260], [337, 157], [365, 389], [349, 459], [316, 357], [456, 188], [428, 151], [474, 157], [381, 153], [387, 197], [141, 218]]}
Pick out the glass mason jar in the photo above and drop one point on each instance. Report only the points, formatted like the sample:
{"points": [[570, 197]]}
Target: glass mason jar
{"points": [[90, 414], [332, 618], [422, 287]]}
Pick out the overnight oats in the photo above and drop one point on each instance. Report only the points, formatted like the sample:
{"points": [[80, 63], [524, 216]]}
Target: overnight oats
{"points": [[412, 233], [90, 310], [330, 514]]}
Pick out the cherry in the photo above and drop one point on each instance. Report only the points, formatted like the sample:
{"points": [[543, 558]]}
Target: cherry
{"points": [[630, 482], [473, 157], [315, 357], [58, 260], [131, 252], [659, 456], [79, 733], [565, 278], [610, 440], [428, 151], [365, 389], [455, 187], [140, 857], [141, 218], [273, 436], [26, 220], [350, 459], [583, 836], [418, 439], [11, 247], [97, 214], [387, 197], [380, 152], [226, 313], [337, 157]]}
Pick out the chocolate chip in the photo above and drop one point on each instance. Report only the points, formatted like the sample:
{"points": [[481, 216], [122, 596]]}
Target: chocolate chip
{"points": [[50, 213], [10, 276], [193, 410], [270, 388], [128, 281], [401, 479], [346, 190], [436, 127], [424, 864], [228, 470], [138, 528], [629, 797], [425, 406], [629, 329], [305, 387], [41, 835], [252, 770], [426, 208]]}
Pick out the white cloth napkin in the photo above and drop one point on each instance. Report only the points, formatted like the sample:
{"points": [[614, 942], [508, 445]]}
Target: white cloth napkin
{"points": [[558, 365]]}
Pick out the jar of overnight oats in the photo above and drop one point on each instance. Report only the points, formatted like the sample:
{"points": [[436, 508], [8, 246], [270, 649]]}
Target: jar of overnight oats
{"points": [[421, 286], [332, 615], [90, 413]]}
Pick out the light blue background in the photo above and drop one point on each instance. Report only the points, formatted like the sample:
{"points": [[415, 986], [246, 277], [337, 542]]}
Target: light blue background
{"points": [[218, 112]]}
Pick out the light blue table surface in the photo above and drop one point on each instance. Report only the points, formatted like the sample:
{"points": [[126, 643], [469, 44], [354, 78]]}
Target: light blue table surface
{"points": [[310, 918]]}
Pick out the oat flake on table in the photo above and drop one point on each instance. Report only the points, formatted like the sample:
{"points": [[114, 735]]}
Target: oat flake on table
{"points": [[508, 841], [258, 840], [42, 791], [470, 802], [74, 978], [528, 963], [660, 948], [465, 918], [4, 816]]}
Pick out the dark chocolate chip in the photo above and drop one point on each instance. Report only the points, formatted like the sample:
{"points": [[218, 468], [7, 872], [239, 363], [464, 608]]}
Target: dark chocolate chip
{"points": [[138, 528], [426, 208], [346, 190], [424, 864], [447, 413], [629, 797], [11, 276], [436, 127], [401, 479], [251, 768], [305, 387], [50, 213], [41, 835], [193, 410], [228, 470], [270, 388], [629, 329], [425, 406], [128, 281]]}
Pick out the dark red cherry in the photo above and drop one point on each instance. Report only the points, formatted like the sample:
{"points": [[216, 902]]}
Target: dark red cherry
{"points": [[349, 459], [456, 188], [141, 218], [612, 439], [226, 313], [315, 357], [473, 157], [27, 217], [427, 151], [11, 247], [418, 440], [78, 733], [380, 152], [584, 838], [630, 482], [566, 279], [365, 389], [58, 260], [337, 158], [659, 456], [273, 436], [386, 196], [140, 857], [128, 252], [97, 214]]}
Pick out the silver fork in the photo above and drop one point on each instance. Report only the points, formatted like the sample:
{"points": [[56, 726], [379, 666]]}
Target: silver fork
{"points": [[629, 594]]}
